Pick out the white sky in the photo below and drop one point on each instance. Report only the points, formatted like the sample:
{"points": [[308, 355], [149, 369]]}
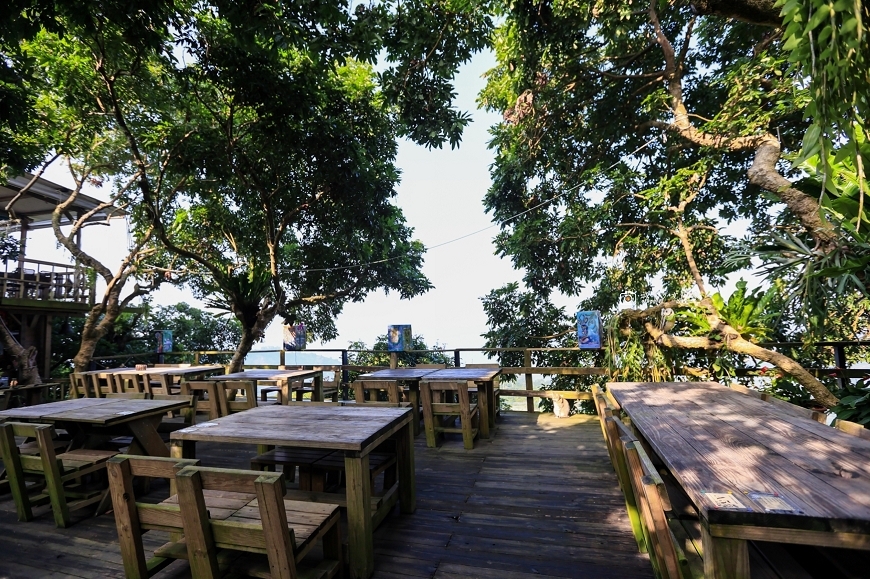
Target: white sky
{"points": [[441, 195]]}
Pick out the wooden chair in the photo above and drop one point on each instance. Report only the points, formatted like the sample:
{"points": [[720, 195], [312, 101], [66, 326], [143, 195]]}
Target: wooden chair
{"points": [[237, 404], [615, 430], [265, 524], [666, 554], [439, 417], [80, 386], [133, 518], [373, 388], [55, 470], [102, 383], [185, 418], [207, 398], [331, 388]]}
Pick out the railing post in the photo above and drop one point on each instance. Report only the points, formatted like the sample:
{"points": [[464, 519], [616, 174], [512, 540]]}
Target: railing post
{"points": [[394, 360], [457, 360], [842, 365], [527, 362], [281, 357], [196, 358], [345, 375]]}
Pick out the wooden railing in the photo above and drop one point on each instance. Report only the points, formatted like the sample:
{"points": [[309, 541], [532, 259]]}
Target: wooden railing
{"points": [[527, 371], [45, 280]]}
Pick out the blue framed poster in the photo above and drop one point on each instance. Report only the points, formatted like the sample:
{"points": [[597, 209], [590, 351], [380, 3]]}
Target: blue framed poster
{"points": [[164, 341], [294, 337], [399, 338], [589, 330]]}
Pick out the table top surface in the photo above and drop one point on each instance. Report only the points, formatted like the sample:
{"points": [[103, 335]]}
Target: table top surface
{"points": [[268, 375], [398, 374], [100, 411], [743, 461], [452, 374], [332, 427]]}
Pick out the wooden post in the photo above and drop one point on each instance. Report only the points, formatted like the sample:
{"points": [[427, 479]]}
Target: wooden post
{"points": [[527, 362], [345, 361], [842, 364], [394, 360], [359, 517], [457, 360], [282, 356]]}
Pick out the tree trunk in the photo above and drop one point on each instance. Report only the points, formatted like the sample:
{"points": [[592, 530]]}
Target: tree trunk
{"points": [[24, 358], [237, 364]]}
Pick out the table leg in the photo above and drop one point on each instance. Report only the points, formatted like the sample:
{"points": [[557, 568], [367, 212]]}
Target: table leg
{"points": [[144, 430], [317, 394], [414, 399], [724, 558], [359, 518], [406, 469], [493, 408], [182, 448], [284, 385], [483, 405]]}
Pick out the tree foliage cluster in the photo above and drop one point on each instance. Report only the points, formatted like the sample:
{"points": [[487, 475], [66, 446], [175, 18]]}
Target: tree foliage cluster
{"points": [[133, 334], [252, 145], [652, 150]]}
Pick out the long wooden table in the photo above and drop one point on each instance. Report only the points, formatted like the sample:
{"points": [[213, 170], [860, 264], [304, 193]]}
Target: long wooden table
{"points": [[284, 378], [354, 430], [485, 380], [753, 471], [83, 417], [411, 377]]}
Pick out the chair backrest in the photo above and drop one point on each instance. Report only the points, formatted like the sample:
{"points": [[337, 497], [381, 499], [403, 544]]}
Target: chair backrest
{"points": [[133, 518], [211, 403], [101, 383], [852, 428], [156, 380], [271, 535], [228, 406], [80, 386], [45, 463], [360, 387], [652, 499]]}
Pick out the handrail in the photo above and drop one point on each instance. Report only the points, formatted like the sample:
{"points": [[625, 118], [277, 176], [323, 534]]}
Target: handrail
{"points": [[527, 370]]}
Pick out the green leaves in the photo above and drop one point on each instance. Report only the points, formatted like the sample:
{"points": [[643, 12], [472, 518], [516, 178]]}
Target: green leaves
{"points": [[749, 312]]}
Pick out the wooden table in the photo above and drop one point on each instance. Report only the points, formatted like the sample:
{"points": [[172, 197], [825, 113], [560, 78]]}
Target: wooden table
{"points": [[283, 377], [753, 471], [485, 380], [84, 417], [411, 377], [354, 430]]}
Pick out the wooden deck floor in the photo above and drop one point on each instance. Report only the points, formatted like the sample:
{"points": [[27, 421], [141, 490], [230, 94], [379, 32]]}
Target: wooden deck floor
{"points": [[539, 499]]}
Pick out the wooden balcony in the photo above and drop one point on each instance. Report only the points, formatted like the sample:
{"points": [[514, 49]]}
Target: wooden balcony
{"points": [[45, 285], [539, 499]]}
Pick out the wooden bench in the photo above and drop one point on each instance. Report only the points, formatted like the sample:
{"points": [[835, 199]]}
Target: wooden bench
{"points": [[56, 471], [733, 461], [285, 531], [217, 519]]}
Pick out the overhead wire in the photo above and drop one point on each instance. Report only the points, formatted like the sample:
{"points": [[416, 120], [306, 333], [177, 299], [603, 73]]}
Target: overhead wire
{"points": [[473, 233]]}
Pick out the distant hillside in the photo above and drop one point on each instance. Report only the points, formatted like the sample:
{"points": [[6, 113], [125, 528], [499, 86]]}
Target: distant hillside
{"points": [[260, 358]]}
